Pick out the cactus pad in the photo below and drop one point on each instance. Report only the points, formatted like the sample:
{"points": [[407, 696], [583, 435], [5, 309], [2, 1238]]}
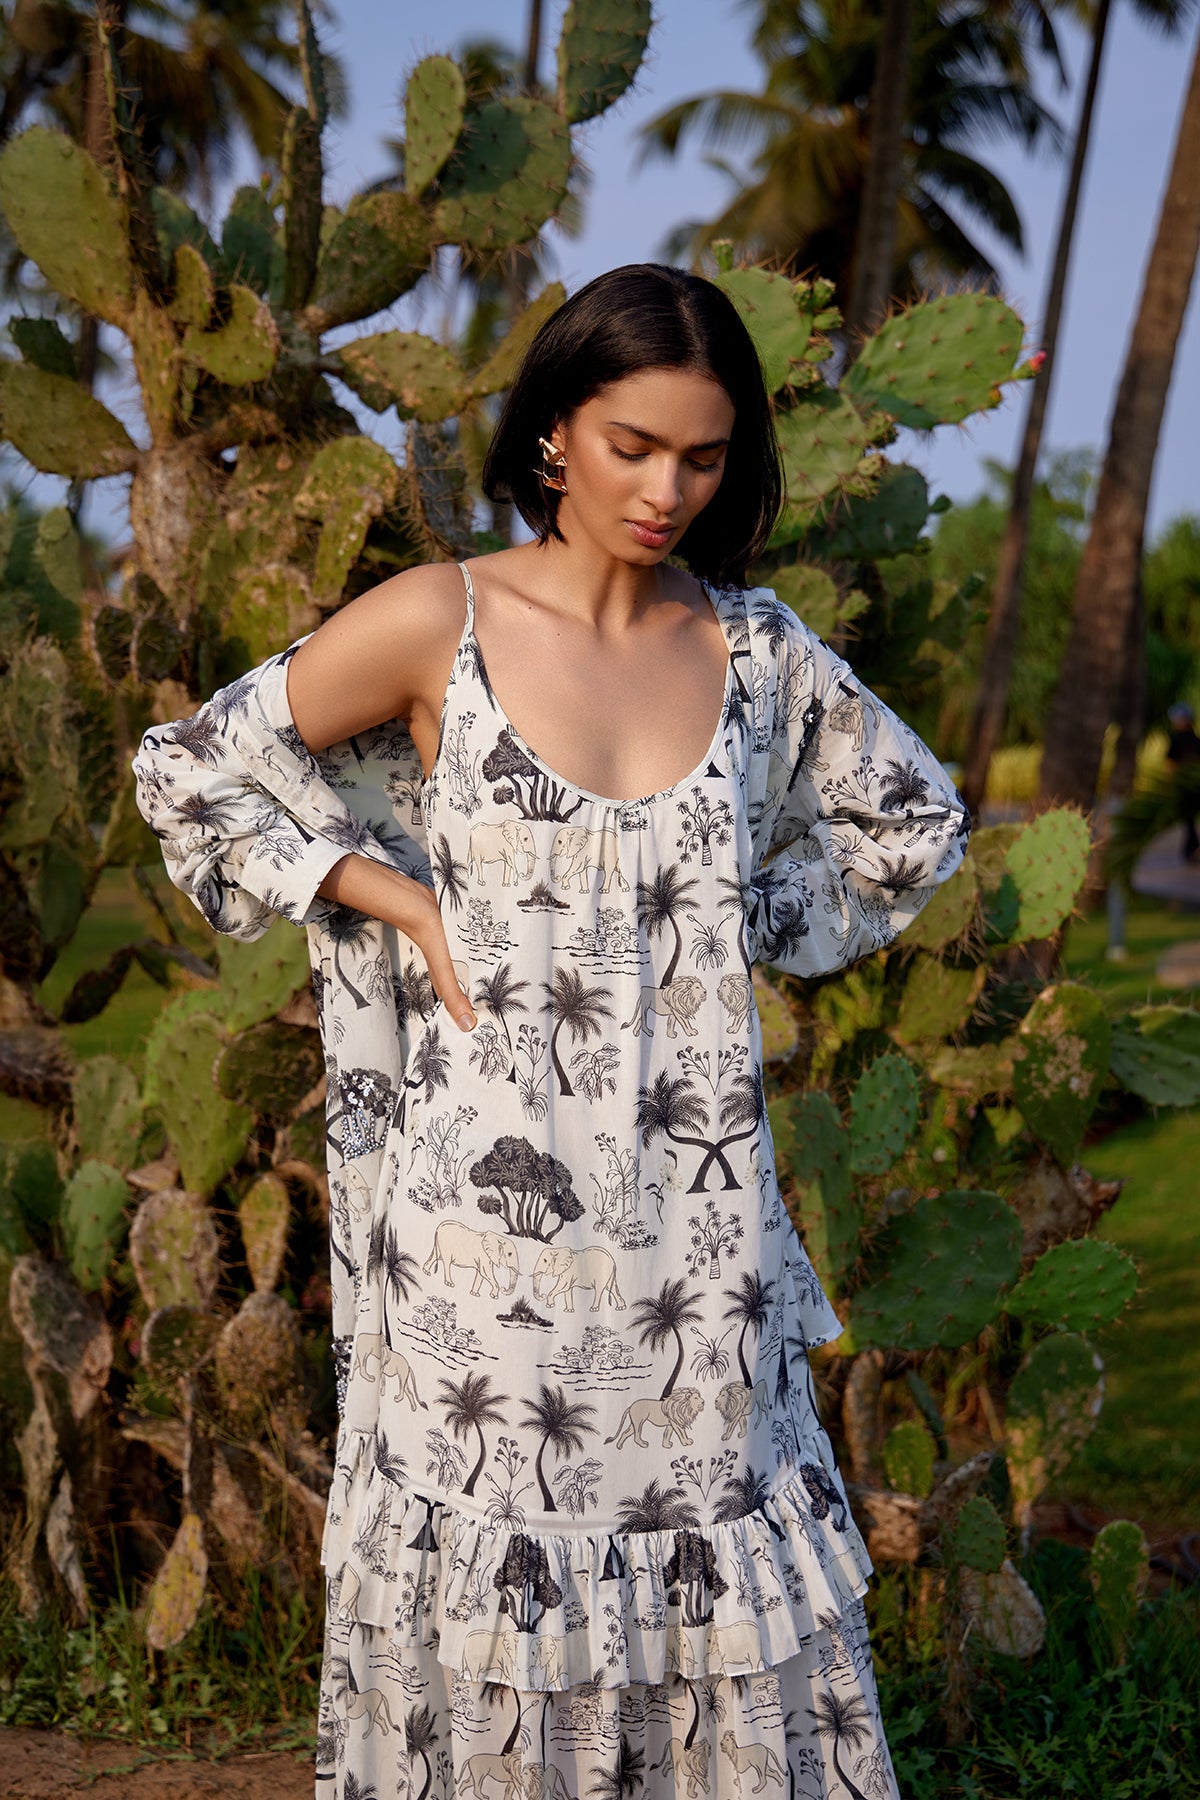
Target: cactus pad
{"points": [[942, 1268], [208, 1131], [883, 1114], [174, 1602], [1156, 1054], [1061, 1065], [1005, 1610], [350, 482], [249, 247], [823, 441], [1053, 1405], [107, 1110], [264, 1213], [888, 522], [499, 371], [434, 102], [976, 1070], [270, 1068], [94, 1221], [938, 1000], [812, 596], [811, 1146], [61, 1328], [243, 349], [173, 1246], [947, 918], [41, 341], [1048, 862], [1119, 1569], [259, 978], [195, 289], [176, 1343], [301, 180], [256, 1354], [65, 216], [939, 361], [908, 1454], [977, 1536], [378, 250], [420, 378], [271, 607], [781, 331], [780, 1028], [599, 53], [1076, 1286], [59, 427], [508, 175]]}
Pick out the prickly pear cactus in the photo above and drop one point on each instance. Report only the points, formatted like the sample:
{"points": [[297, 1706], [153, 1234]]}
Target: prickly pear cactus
{"points": [[811, 1147], [1061, 1064], [94, 1221], [258, 979], [1048, 863], [780, 1029], [942, 1268], [936, 363], [1119, 1567], [977, 1537], [599, 53], [173, 1246], [1076, 1286], [256, 1354], [270, 1068], [434, 106], [207, 1130], [1005, 1610], [1156, 1054], [908, 1457], [883, 1114], [107, 1110], [263, 1213], [178, 1589], [1053, 1406]]}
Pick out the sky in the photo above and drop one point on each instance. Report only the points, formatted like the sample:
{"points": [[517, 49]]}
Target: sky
{"points": [[698, 45]]}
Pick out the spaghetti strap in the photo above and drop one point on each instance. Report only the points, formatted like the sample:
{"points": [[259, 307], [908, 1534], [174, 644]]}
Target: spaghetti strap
{"points": [[466, 575]]}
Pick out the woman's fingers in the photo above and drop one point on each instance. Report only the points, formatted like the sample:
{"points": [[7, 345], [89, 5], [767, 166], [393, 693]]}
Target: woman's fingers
{"points": [[446, 984]]}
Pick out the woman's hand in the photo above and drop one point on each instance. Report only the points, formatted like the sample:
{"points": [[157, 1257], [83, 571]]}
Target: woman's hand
{"points": [[383, 893]]}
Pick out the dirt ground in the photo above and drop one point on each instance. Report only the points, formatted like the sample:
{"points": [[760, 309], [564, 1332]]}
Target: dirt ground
{"points": [[46, 1765]]}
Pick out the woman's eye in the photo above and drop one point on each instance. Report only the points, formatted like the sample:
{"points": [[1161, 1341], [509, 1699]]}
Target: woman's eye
{"points": [[704, 468], [628, 455]]}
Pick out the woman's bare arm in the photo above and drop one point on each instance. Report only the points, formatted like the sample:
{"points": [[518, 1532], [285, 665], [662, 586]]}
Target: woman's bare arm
{"points": [[387, 655]]}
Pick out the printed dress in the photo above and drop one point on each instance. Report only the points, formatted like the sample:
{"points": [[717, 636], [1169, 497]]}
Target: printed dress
{"points": [[586, 1533]]}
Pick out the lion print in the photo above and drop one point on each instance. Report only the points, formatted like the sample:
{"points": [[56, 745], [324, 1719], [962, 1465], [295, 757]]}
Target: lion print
{"points": [[673, 1415], [759, 1757]]}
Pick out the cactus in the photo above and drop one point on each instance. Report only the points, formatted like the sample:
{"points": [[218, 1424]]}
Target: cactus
{"points": [[501, 366], [812, 596], [33, 1184], [977, 1536], [41, 341], [943, 1266], [883, 1114], [195, 289], [256, 1354], [908, 1453], [349, 482], [64, 214], [824, 442], [889, 522], [1053, 1405], [94, 1221], [420, 378], [1048, 862], [270, 1068], [938, 1000], [1119, 1567], [301, 186], [946, 920], [61, 1329], [258, 979], [938, 362], [975, 1070], [929, 1409], [176, 1342], [243, 348], [509, 174], [781, 329], [250, 251], [379, 249], [174, 1602], [208, 1130], [434, 103], [108, 1110], [1005, 1610], [1156, 1054], [173, 1247], [271, 607], [264, 1213], [780, 1030], [1077, 1285], [811, 1144], [59, 427], [1061, 1064], [599, 53]]}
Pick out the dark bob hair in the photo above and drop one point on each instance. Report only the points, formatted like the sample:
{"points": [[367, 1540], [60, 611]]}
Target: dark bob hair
{"points": [[646, 316]]}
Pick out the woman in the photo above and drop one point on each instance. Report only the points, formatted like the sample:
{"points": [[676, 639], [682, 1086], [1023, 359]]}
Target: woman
{"points": [[586, 1534]]}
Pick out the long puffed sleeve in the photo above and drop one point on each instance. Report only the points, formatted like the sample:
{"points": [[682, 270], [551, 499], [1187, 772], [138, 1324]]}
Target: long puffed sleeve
{"points": [[248, 822], [860, 821]]}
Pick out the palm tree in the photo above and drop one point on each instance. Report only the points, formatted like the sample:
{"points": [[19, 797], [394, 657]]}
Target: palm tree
{"points": [[430, 1070], [399, 1267], [391, 1465], [743, 1110], [660, 1317], [469, 1405], [658, 903], [1107, 585], [744, 1494], [751, 1306], [656, 1509], [840, 1718], [625, 1777], [346, 926], [577, 1007], [354, 1789], [736, 897], [561, 1423], [419, 1735], [449, 875], [670, 1107], [809, 135], [498, 992]]}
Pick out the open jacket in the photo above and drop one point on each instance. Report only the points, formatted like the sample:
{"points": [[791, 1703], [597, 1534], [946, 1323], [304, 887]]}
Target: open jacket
{"points": [[853, 824]]}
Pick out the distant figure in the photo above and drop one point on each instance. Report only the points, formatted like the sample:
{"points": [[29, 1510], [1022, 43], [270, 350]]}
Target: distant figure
{"points": [[1183, 751]]}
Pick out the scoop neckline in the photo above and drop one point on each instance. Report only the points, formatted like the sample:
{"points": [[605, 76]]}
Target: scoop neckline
{"points": [[716, 742]]}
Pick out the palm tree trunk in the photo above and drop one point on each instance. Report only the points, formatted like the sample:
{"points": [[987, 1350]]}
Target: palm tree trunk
{"points": [[564, 1085], [669, 976], [674, 1375], [547, 1496], [742, 1354], [1107, 584], [1004, 620], [469, 1484], [875, 250], [855, 1793]]}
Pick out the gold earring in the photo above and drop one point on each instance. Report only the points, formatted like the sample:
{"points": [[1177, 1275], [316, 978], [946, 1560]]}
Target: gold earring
{"points": [[553, 466]]}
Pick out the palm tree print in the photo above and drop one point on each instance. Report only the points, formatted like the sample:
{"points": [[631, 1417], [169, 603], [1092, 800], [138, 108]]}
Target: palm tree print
{"points": [[659, 904], [751, 1309], [577, 1008], [843, 1718], [743, 1108], [659, 1318], [656, 1509], [347, 929], [449, 875], [903, 785], [498, 992], [354, 1789], [670, 1107], [399, 1267], [430, 1070], [468, 1405], [419, 1736], [626, 1776], [560, 1422]]}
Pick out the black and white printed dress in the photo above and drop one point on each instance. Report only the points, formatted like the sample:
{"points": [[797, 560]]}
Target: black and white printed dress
{"points": [[587, 1535]]}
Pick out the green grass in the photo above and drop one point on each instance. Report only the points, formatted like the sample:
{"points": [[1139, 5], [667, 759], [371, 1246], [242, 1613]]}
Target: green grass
{"points": [[1151, 927]]}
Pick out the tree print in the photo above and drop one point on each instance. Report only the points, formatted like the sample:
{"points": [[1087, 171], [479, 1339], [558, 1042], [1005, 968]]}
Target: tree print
{"points": [[743, 1111], [523, 784], [625, 1779], [398, 1267], [449, 875], [712, 1238], [468, 1405], [703, 824], [656, 1509], [750, 1308], [576, 1008], [692, 1579], [560, 1422], [391, 1465], [670, 1108], [531, 1187], [527, 1588], [348, 929], [660, 903], [843, 1718], [746, 1493], [903, 785], [659, 1318], [709, 950], [354, 1789], [419, 1737], [499, 993]]}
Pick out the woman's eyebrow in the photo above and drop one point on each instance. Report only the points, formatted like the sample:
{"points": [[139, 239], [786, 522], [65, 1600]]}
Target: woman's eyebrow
{"points": [[652, 438]]}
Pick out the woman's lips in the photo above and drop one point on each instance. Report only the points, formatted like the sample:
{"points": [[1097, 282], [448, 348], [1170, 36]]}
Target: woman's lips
{"points": [[654, 537]]}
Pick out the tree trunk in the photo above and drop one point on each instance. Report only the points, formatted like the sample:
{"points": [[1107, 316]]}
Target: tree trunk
{"points": [[1107, 585], [875, 250], [1003, 628]]}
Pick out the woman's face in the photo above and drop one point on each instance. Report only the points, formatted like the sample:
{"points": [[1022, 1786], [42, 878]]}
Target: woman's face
{"points": [[643, 456]]}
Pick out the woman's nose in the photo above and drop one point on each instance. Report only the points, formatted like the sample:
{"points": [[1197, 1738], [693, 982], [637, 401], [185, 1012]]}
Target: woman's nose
{"points": [[662, 490]]}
